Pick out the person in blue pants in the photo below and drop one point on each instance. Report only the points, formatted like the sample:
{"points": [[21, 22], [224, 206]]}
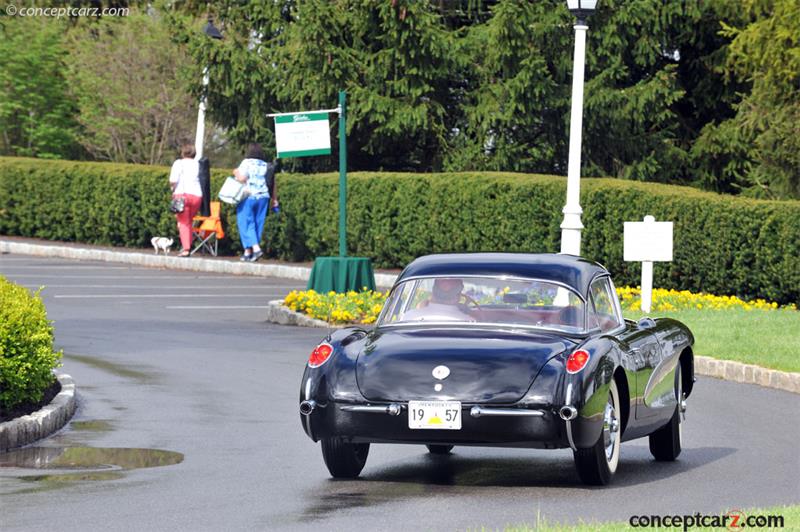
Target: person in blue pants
{"points": [[252, 211]]}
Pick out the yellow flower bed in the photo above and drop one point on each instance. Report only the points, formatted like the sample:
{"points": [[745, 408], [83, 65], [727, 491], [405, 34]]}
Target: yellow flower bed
{"points": [[666, 300], [352, 307], [364, 307]]}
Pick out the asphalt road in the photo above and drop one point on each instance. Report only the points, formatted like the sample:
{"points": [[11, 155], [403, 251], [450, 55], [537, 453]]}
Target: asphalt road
{"points": [[184, 363]]}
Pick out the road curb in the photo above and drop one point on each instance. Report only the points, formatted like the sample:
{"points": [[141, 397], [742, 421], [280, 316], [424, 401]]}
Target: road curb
{"points": [[198, 264], [747, 373], [277, 313], [42, 423]]}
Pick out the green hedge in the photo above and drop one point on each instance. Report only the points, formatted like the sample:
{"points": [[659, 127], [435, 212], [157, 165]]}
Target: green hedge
{"points": [[27, 359], [96, 203], [723, 244]]}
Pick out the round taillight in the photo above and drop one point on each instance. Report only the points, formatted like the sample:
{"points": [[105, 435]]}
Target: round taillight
{"points": [[320, 355], [577, 361]]}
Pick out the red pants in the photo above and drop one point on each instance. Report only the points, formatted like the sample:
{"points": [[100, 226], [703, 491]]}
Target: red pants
{"points": [[190, 208]]}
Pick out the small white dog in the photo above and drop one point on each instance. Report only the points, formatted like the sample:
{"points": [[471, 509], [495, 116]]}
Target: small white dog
{"points": [[161, 243]]}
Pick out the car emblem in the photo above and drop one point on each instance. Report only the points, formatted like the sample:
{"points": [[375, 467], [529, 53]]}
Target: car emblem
{"points": [[441, 372]]}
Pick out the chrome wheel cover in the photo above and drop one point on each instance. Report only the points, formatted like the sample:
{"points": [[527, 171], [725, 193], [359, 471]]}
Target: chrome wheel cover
{"points": [[610, 428]]}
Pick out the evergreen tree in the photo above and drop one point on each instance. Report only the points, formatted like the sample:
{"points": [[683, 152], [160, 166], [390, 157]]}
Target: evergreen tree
{"points": [[758, 150]]}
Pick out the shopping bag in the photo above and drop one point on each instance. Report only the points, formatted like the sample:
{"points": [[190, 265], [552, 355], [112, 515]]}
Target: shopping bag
{"points": [[232, 191]]}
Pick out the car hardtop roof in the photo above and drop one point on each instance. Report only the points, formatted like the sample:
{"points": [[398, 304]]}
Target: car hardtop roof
{"points": [[575, 272]]}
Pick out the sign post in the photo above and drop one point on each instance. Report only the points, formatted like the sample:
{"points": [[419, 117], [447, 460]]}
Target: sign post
{"points": [[647, 242], [306, 134], [342, 175]]}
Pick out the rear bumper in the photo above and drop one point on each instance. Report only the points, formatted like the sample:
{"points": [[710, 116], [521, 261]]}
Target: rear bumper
{"points": [[536, 426]]}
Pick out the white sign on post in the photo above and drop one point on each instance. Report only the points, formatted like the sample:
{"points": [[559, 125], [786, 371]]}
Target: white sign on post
{"points": [[647, 242], [302, 134]]}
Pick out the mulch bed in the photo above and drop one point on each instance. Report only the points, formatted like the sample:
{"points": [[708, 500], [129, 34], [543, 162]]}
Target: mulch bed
{"points": [[28, 408]]}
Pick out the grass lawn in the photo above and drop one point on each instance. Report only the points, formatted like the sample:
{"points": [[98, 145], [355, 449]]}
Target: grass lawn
{"points": [[767, 338], [790, 514]]}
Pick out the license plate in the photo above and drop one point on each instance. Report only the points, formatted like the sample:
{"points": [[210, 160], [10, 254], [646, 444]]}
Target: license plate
{"points": [[444, 415]]}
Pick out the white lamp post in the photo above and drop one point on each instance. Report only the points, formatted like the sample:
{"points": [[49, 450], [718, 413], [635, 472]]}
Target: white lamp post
{"points": [[212, 32], [571, 226]]}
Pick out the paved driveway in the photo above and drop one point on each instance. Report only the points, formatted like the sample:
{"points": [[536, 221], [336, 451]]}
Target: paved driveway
{"points": [[180, 369]]}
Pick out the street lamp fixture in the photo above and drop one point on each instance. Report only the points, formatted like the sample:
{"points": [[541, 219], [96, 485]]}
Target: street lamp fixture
{"points": [[571, 226], [212, 32], [582, 9]]}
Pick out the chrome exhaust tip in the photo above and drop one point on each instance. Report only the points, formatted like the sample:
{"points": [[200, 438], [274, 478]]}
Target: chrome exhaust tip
{"points": [[306, 407], [568, 413]]}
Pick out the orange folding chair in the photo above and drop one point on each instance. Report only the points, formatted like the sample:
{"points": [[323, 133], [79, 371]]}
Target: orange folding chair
{"points": [[207, 231]]}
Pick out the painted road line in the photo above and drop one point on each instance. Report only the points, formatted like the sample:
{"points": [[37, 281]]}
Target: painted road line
{"points": [[68, 267]]}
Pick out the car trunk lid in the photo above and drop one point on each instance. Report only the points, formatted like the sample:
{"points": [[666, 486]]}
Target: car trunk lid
{"points": [[485, 366]]}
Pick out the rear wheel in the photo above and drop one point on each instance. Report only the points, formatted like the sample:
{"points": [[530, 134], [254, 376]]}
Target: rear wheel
{"points": [[597, 464], [665, 443], [439, 449], [344, 459]]}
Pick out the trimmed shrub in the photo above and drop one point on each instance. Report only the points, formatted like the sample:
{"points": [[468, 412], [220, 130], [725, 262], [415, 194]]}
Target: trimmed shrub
{"points": [[27, 359], [723, 244], [95, 203]]}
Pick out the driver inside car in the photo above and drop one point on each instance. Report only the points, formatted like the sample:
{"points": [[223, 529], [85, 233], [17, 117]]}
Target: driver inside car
{"points": [[444, 304]]}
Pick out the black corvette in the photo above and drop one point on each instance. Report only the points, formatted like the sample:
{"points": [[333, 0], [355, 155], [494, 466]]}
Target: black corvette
{"points": [[508, 350]]}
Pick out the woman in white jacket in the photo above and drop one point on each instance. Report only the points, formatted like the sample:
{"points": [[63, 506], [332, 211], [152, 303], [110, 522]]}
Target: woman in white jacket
{"points": [[185, 182]]}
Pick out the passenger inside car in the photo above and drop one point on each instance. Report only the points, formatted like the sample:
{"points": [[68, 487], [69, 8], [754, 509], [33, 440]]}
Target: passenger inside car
{"points": [[444, 304]]}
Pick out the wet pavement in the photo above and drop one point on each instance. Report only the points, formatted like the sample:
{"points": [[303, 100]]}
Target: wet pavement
{"points": [[187, 420]]}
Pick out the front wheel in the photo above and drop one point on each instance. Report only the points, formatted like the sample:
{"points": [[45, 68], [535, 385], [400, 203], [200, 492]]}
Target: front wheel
{"points": [[597, 464], [344, 459], [666, 442]]}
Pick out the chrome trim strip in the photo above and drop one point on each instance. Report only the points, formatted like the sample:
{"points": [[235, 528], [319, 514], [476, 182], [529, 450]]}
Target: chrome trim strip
{"points": [[478, 411], [568, 423], [500, 277], [393, 409], [489, 325], [307, 419], [569, 436]]}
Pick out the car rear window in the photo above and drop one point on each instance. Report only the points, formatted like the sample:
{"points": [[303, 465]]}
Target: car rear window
{"points": [[484, 300]]}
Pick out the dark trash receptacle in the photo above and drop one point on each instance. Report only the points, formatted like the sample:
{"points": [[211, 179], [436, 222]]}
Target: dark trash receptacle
{"points": [[205, 185]]}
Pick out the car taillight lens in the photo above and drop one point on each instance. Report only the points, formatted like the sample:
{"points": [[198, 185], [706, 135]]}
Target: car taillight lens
{"points": [[320, 355], [577, 361]]}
